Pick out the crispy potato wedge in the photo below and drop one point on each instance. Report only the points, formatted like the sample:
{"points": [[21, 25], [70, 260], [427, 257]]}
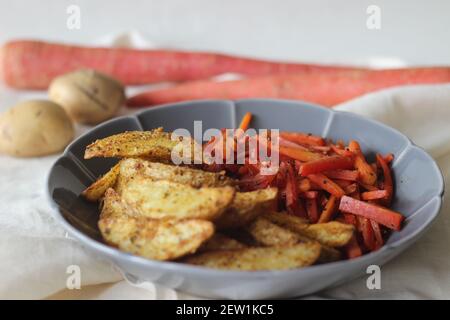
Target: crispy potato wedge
{"points": [[221, 242], [266, 258], [130, 168], [155, 239], [332, 234], [269, 234], [113, 206], [96, 190], [246, 206], [165, 199], [155, 145]]}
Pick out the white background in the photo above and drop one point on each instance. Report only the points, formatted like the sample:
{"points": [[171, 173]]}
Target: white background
{"points": [[416, 32]]}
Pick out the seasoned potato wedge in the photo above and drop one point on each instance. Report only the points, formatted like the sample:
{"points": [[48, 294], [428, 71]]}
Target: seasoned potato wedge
{"points": [[113, 206], [153, 145], [266, 258], [246, 206], [166, 199], [269, 234], [130, 168], [96, 190], [155, 239], [333, 234], [221, 242]]}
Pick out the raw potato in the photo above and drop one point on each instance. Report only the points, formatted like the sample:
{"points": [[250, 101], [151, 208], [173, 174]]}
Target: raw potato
{"points": [[88, 96], [96, 190], [253, 259], [155, 239], [170, 200], [35, 128], [246, 206]]}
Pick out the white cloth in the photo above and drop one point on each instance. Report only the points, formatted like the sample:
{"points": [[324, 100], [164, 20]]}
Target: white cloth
{"points": [[35, 252]]}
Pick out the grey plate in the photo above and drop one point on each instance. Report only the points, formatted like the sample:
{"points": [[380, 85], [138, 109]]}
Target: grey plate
{"points": [[419, 190]]}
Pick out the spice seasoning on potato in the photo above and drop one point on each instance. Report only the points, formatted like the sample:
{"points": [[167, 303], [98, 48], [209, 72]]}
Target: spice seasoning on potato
{"points": [[88, 96], [35, 128]]}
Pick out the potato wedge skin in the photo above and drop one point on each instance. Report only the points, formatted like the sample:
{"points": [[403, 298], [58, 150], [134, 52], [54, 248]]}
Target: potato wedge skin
{"points": [[221, 242], [170, 200], [97, 189], [130, 168], [155, 239], [266, 258], [332, 234], [154, 145], [246, 206]]}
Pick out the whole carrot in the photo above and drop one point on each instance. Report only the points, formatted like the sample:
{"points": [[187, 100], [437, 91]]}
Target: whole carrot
{"points": [[325, 88], [33, 64]]}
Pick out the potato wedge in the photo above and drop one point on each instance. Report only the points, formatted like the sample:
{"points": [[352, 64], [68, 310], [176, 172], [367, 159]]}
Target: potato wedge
{"points": [[221, 242], [97, 189], [130, 168], [269, 234], [113, 206], [266, 258], [155, 239], [333, 234], [153, 145], [171, 200], [246, 206]]}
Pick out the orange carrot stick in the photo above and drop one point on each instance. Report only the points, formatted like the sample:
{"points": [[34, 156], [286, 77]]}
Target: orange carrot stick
{"points": [[303, 138], [384, 216], [341, 151], [245, 122], [298, 154], [327, 184], [329, 210], [352, 249], [374, 195], [350, 175], [378, 235], [326, 164], [367, 233], [388, 182], [366, 173]]}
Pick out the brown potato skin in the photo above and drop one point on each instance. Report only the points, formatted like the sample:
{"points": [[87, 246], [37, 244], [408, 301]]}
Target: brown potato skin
{"points": [[88, 96], [35, 128]]}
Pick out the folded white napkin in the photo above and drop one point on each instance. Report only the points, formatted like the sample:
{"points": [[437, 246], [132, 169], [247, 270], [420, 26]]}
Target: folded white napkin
{"points": [[35, 251]]}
